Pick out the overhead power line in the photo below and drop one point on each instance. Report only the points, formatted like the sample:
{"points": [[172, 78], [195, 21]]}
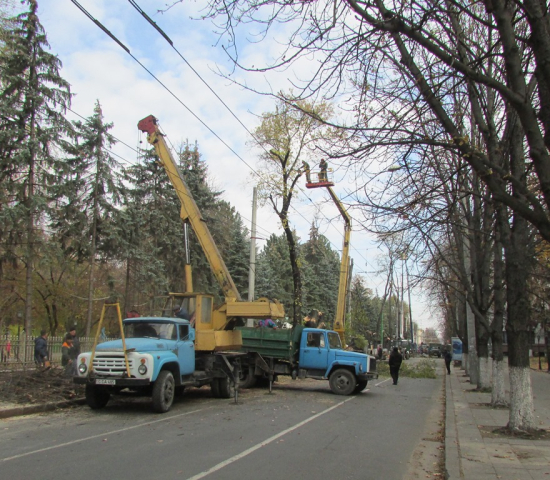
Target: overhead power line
{"points": [[167, 38]]}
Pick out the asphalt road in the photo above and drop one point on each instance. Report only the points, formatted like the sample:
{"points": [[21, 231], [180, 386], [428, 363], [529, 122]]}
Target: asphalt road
{"points": [[301, 430]]}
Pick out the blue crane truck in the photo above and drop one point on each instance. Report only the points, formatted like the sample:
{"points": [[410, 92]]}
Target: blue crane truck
{"points": [[156, 357], [304, 353]]}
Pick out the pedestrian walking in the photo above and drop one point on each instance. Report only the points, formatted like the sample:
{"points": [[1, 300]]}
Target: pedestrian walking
{"points": [[448, 358], [8, 348], [41, 350], [395, 361], [380, 352]]}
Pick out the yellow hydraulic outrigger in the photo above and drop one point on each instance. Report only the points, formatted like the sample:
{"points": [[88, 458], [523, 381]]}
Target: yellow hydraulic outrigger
{"points": [[339, 321], [213, 325]]}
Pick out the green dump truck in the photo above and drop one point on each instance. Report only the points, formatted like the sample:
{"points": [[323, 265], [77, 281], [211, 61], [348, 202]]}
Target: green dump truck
{"points": [[304, 353]]}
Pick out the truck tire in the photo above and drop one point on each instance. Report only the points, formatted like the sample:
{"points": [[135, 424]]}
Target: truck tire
{"points": [[247, 379], [361, 385], [215, 387], [342, 382], [226, 388], [97, 397], [163, 392]]}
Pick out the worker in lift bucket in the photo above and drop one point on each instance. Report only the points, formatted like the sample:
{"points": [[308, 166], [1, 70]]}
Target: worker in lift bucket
{"points": [[306, 170], [323, 165]]}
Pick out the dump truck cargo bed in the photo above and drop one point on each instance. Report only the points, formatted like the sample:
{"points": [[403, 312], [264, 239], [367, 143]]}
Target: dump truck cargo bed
{"points": [[278, 343]]}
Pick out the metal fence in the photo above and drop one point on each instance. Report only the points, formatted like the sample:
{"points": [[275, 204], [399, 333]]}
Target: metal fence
{"points": [[17, 352]]}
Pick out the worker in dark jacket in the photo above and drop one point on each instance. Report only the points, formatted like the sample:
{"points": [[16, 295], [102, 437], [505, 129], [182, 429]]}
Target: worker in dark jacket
{"points": [[41, 349], [395, 361], [67, 360], [76, 342]]}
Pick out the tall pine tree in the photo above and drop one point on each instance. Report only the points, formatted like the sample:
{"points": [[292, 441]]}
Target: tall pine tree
{"points": [[89, 190], [33, 98]]}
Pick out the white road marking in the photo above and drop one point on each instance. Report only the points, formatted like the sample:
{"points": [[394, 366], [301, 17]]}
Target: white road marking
{"points": [[383, 381], [112, 432], [233, 459]]}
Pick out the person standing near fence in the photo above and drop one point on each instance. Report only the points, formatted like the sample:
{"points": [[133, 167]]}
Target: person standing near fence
{"points": [[75, 350], [76, 342], [41, 350], [67, 352]]}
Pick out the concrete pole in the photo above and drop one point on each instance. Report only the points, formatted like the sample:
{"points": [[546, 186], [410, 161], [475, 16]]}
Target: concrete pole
{"points": [[252, 265]]}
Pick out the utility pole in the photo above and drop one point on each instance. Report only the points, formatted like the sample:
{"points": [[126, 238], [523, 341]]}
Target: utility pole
{"points": [[252, 263], [410, 306], [402, 318]]}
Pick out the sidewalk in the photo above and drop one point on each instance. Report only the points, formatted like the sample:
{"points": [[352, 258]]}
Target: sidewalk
{"points": [[472, 453]]}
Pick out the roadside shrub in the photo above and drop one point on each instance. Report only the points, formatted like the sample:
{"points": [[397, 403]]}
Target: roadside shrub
{"points": [[423, 369]]}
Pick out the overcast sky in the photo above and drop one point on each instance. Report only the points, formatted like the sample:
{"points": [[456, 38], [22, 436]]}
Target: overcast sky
{"points": [[99, 69]]}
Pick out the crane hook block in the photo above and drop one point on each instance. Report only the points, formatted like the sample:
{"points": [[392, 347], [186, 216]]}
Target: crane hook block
{"points": [[148, 125]]}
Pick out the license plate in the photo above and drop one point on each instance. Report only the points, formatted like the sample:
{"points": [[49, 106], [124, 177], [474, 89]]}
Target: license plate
{"points": [[100, 381]]}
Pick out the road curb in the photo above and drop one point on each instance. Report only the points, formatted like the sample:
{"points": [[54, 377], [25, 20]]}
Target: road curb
{"points": [[43, 407], [452, 454]]}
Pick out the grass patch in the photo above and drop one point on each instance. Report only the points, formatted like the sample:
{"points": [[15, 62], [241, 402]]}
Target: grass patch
{"points": [[423, 369], [534, 363]]}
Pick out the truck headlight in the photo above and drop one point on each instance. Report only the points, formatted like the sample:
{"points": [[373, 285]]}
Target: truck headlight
{"points": [[82, 368], [142, 369]]}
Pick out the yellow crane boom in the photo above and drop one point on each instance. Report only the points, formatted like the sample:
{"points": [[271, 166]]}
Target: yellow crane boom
{"points": [[339, 321], [214, 325]]}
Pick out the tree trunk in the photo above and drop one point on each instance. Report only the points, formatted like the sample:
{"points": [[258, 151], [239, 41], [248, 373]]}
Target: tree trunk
{"points": [[93, 251], [29, 254], [296, 277], [517, 271], [498, 393], [518, 259]]}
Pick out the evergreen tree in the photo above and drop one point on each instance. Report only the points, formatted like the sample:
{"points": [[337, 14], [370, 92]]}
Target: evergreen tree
{"points": [[274, 273], [234, 244], [152, 206], [33, 97], [88, 192], [321, 275], [151, 233]]}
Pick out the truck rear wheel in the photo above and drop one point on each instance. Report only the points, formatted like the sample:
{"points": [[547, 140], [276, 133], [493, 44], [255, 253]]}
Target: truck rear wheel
{"points": [[215, 387], [247, 378], [361, 385], [226, 388], [97, 397], [342, 382], [164, 391]]}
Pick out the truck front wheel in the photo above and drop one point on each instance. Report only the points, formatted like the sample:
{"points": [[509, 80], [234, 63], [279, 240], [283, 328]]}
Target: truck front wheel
{"points": [[96, 397], [342, 382], [361, 385], [163, 392]]}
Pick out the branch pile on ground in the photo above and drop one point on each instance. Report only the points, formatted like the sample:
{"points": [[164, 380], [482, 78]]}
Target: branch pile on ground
{"points": [[37, 386]]}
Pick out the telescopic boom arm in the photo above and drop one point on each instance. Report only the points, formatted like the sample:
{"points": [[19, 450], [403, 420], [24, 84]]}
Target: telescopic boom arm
{"points": [[189, 210]]}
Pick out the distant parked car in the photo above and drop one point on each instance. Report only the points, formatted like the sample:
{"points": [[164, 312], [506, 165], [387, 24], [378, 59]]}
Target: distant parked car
{"points": [[435, 352]]}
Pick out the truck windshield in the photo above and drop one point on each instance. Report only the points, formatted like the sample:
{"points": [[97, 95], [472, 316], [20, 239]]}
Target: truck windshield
{"points": [[334, 341], [150, 330]]}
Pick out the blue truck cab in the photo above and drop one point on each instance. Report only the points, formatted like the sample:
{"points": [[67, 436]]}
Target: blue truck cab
{"points": [[160, 360], [321, 356]]}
